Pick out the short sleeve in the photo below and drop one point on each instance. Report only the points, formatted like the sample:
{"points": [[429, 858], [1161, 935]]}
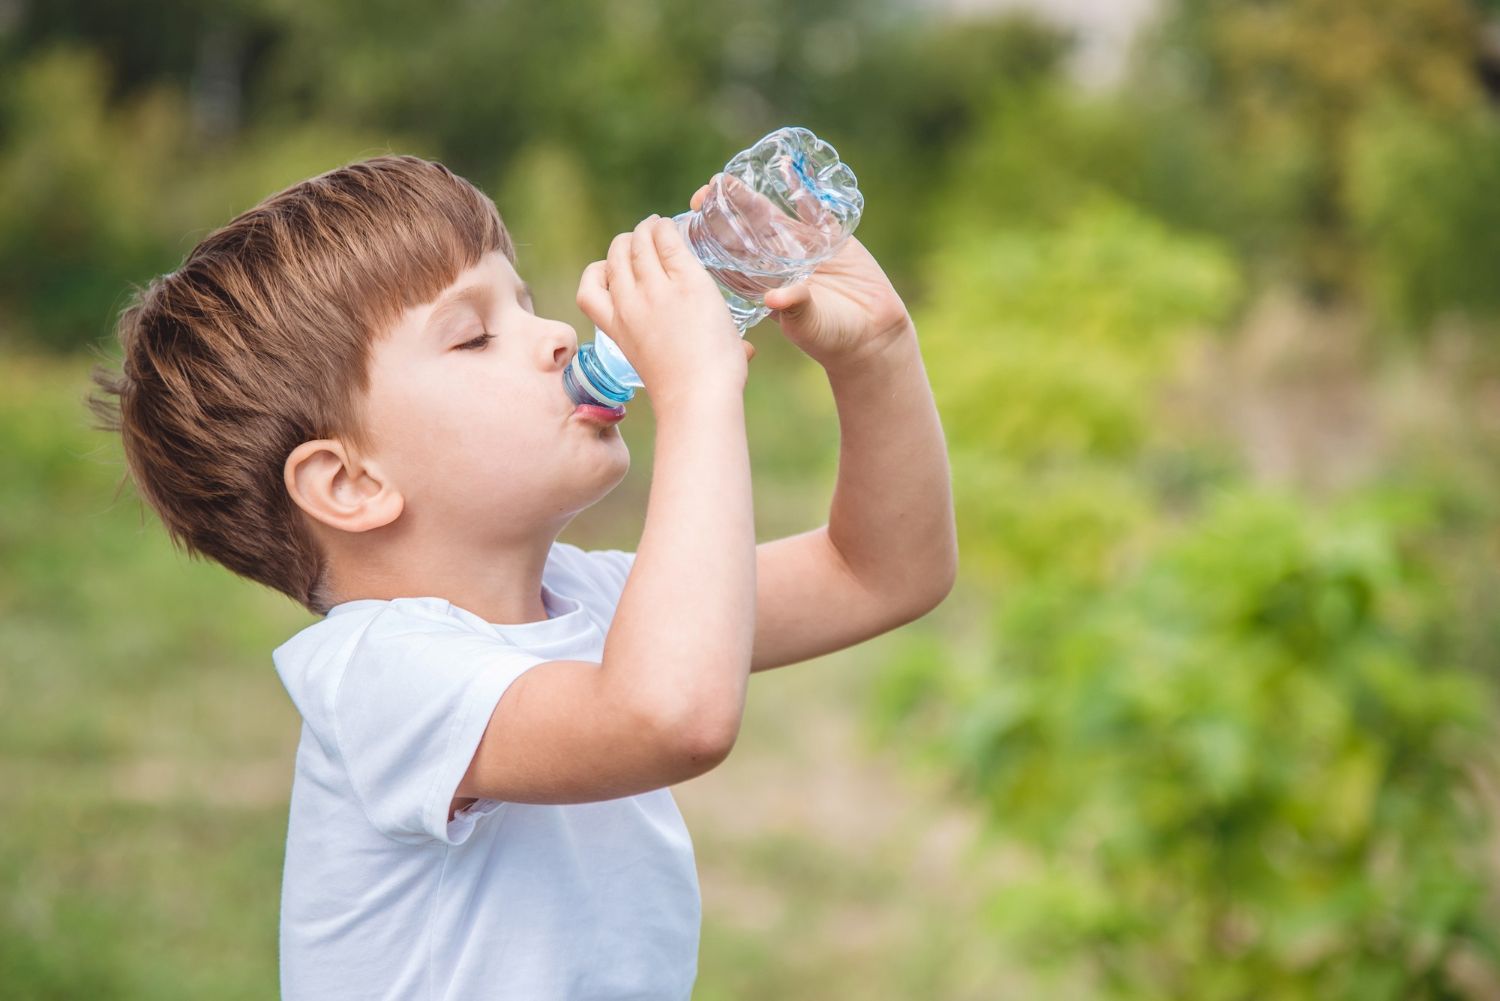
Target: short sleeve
{"points": [[609, 569], [411, 707]]}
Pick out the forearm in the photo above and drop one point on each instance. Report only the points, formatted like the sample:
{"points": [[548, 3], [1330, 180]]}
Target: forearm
{"points": [[892, 512], [684, 626]]}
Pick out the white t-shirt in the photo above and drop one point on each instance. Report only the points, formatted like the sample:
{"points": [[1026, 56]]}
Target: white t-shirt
{"points": [[383, 897]]}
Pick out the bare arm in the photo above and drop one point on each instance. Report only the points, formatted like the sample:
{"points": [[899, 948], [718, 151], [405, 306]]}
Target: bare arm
{"points": [[683, 629], [667, 700], [889, 552], [666, 703]]}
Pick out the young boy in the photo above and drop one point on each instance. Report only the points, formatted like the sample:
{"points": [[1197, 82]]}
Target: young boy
{"points": [[345, 394]]}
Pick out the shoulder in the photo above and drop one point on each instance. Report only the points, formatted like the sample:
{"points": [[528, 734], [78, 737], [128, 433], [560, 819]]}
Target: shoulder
{"points": [[350, 624], [312, 664]]}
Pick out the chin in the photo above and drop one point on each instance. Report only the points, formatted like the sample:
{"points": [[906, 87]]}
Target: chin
{"points": [[605, 472], [619, 468]]}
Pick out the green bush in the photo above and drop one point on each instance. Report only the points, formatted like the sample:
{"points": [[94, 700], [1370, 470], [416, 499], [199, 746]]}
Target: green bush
{"points": [[1233, 772], [1423, 195], [101, 195], [1208, 718]]}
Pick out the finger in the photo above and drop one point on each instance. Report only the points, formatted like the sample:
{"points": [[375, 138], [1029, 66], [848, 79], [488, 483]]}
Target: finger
{"points": [[749, 350], [593, 296], [672, 250], [618, 277], [643, 259], [696, 202]]}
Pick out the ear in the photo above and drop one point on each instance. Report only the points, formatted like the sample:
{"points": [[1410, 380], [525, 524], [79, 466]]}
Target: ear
{"points": [[339, 490]]}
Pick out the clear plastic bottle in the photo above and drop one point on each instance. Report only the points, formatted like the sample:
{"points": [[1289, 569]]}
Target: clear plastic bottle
{"points": [[778, 210]]}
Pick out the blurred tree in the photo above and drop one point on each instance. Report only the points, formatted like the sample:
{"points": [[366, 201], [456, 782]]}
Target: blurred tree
{"points": [[1292, 78], [1214, 720], [1422, 200], [652, 97], [1231, 767], [546, 203], [910, 101], [102, 195], [210, 50], [78, 218], [648, 100]]}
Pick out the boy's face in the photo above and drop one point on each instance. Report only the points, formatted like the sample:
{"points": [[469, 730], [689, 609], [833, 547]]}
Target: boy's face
{"points": [[477, 433]]}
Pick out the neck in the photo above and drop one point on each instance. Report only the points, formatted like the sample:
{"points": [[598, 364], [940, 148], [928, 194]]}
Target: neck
{"points": [[500, 586]]}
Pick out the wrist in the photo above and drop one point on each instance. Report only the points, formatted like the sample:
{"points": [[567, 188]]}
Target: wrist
{"points": [[893, 348], [701, 399]]}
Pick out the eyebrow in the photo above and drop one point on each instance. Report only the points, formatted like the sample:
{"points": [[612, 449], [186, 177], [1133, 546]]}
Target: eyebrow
{"points": [[469, 294]]}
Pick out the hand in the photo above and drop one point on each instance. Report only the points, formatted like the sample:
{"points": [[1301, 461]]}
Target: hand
{"points": [[654, 298], [844, 310]]}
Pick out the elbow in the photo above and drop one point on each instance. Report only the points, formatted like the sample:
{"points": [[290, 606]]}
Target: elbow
{"points": [[947, 577], [927, 601], [699, 739], [700, 753], [708, 736], [937, 587]]}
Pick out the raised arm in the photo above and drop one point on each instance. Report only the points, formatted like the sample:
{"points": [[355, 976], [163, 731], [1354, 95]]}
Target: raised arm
{"points": [[666, 702], [889, 551]]}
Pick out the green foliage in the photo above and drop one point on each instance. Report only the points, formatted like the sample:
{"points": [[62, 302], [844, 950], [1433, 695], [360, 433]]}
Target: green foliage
{"points": [[1423, 195], [102, 195], [1236, 773], [1046, 351], [545, 202], [1209, 716], [1289, 81], [75, 224], [129, 145]]}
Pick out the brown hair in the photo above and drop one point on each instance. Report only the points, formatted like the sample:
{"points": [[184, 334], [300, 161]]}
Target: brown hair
{"points": [[261, 341]]}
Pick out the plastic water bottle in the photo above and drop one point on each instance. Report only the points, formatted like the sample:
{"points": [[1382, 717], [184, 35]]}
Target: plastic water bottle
{"points": [[778, 210]]}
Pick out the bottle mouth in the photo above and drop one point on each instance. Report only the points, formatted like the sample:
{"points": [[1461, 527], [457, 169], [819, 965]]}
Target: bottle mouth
{"points": [[585, 381]]}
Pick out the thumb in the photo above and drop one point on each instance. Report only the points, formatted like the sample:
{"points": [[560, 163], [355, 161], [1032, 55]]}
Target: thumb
{"points": [[749, 350], [793, 300]]}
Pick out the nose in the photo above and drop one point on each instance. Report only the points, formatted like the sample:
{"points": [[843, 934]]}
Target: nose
{"points": [[559, 346]]}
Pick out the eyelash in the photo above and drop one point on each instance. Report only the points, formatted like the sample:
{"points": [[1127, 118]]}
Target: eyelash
{"points": [[477, 344]]}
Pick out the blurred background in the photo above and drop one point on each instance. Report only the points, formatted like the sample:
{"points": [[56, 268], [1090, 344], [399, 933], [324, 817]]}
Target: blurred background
{"points": [[1209, 294]]}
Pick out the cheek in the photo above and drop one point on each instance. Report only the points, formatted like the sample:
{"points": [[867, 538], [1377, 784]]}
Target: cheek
{"points": [[469, 419], [492, 422], [421, 419]]}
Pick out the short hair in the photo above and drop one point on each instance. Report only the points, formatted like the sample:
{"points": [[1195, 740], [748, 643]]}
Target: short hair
{"points": [[261, 340]]}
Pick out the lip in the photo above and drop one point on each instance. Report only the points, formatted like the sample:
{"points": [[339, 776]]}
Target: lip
{"points": [[599, 415]]}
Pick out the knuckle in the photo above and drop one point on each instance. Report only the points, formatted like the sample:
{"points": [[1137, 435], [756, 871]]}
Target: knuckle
{"points": [[671, 239]]}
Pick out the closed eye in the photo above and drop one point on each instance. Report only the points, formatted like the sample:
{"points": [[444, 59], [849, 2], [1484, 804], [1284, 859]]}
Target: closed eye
{"points": [[477, 344]]}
